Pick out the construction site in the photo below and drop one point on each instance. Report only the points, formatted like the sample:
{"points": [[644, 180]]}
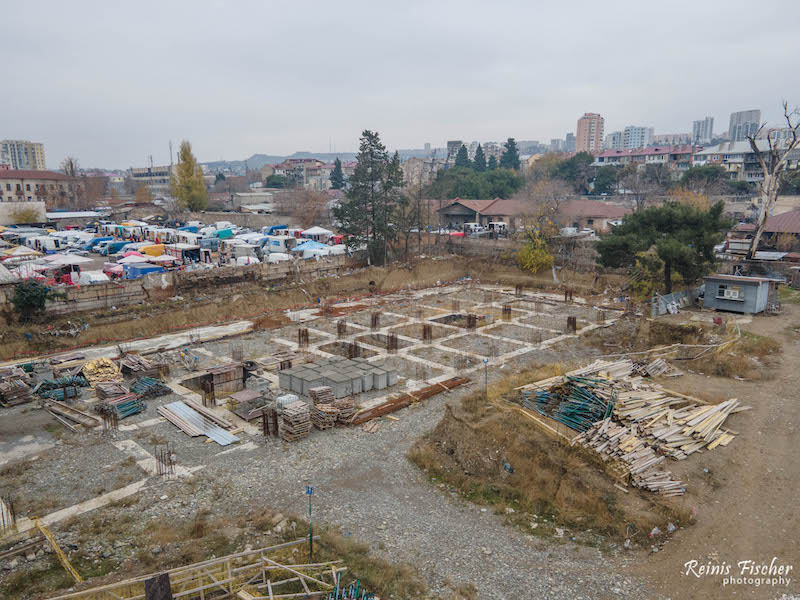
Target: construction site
{"points": [[464, 440]]}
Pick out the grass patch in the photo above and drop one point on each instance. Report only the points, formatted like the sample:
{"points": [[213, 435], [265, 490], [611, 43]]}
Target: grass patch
{"points": [[748, 358], [788, 295]]}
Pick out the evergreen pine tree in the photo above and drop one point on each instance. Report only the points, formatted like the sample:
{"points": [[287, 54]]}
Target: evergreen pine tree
{"points": [[337, 176], [492, 164], [510, 157], [479, 162], [462, 158], [374, 192]]}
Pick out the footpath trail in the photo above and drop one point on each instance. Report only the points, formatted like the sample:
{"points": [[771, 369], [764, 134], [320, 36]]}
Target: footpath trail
{"points": [[747, 502]]}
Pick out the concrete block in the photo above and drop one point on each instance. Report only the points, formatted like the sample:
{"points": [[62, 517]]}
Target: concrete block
{"points": [[355, 383], [378, 378], [391, 377], [298, 381], [366, 381], [285, 379]]}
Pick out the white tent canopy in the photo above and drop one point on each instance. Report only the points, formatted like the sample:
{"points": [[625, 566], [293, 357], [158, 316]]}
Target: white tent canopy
{"points": [[317, 230], [67, 259], [129, 260]]}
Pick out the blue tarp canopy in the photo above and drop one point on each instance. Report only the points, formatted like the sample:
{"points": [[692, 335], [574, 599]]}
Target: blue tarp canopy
{"points": [[309, 245]]}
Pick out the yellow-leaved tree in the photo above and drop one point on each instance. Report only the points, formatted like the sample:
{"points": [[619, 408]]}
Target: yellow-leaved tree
{"points": [[186, 183]]}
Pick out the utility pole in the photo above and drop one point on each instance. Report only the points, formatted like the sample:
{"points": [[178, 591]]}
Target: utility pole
{"points": [[486, 378], [310, 492]]}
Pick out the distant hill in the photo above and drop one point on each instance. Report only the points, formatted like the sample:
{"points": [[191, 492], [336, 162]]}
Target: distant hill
{"points": [[259, 160]]}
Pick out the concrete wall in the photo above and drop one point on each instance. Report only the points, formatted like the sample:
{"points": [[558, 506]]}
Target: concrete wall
{"points": [[7, 210], [161, 286], [241, 219]]}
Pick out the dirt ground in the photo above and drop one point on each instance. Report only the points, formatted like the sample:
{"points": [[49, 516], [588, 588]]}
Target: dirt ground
{"points": [[746, 496]]}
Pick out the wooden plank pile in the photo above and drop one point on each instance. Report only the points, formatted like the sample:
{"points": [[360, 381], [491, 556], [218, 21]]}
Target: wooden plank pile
{"points": [[321, 395], [14, 391], [635, 458], [109, 389], [295, 423], [101, 369], [324, 416], [70, 416], [675, 425], [347, 409]]}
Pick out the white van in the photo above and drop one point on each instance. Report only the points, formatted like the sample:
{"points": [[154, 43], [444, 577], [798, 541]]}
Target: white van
{"points": [[473, 227]]}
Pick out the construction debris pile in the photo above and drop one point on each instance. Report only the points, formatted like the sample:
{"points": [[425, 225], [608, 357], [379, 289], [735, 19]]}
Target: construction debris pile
{"points": [[631, 421], [109, 389], [133, 364], [147, 387], [15, 388]]}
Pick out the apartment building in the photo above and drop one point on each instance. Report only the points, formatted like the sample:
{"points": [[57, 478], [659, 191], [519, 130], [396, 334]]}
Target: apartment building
{"points": [[634, 136], [739, 159], [675, 158], [22, 155], [589, 136], [613, 141], [569, 143], [156, 178], [744, 123], [703, 131]]}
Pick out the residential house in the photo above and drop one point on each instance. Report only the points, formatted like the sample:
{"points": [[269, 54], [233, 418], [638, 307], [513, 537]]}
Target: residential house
{"points": [[460, 211], [583, 213]]}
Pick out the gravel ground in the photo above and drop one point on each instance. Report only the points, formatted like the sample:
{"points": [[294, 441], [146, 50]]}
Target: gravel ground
{"points": [[481, 345]]}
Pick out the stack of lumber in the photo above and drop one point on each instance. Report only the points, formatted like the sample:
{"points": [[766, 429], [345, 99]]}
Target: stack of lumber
{"points": [[676, 426], [321, 395], [324, 416], [101, 369], [125, 405], [14, 391], [637, 458], [109, 389], [69, 415], [347, 409], [295, 423]]}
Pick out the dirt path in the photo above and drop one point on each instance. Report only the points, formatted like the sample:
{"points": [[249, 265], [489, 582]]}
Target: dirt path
{"points": [[747, 501]]}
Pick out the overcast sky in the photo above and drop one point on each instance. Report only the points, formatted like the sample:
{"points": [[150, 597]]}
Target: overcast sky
{"points": [[112, 82]]}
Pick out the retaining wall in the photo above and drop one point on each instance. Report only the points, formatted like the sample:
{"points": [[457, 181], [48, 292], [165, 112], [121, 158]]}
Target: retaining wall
{"points": [[161, 286]]}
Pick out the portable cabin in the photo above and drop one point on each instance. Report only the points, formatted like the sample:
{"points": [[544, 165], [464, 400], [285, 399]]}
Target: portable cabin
{"points": [[294, 232], [736, 293], [276, 257], [280, 243], [211, 244], [247, 251], [187, 237], [185, 253]]}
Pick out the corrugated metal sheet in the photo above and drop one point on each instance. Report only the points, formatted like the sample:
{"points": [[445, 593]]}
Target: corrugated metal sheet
{"points": [[195, 419]]}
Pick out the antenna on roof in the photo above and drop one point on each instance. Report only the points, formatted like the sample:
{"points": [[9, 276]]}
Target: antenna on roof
{"points": [[170, 153]]}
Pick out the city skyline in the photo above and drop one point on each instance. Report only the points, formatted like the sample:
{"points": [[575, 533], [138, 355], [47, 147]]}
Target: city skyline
{"points": [[248, 92]]}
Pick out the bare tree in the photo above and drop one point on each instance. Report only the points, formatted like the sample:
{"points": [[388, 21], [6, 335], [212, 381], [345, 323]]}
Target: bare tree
{"points": [[773, 163], [638, 187], [306, 207], [70, 166]]}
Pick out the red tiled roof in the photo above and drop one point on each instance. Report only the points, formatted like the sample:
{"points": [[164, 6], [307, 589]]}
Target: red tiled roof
{"points": [[788, 222], [582, 207], [30, 174]]}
